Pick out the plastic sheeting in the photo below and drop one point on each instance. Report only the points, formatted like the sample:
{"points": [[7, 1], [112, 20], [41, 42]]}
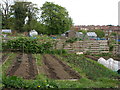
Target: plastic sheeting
{"points": [[103, 61], [110, 63], [33, 32]]}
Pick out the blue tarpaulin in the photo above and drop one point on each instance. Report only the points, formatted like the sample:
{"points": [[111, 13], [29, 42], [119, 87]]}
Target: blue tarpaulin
{"points": [[54, 37], [118, 40]]}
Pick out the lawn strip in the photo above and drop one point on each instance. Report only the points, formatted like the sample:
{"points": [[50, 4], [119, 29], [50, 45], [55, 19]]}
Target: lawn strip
{"points": [[8, 63]]}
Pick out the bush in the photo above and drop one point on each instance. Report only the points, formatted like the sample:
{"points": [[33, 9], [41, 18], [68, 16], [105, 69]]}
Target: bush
{"points": [[27, 45], [20, 83]]}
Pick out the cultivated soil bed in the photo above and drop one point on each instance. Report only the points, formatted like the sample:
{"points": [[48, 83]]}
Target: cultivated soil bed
{"points": [[56, 69], [23, 66]]}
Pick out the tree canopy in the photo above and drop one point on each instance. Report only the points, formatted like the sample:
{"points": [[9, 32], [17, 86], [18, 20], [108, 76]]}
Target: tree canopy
{"points": [[55, 18], [25, 16], [100, 33], [21, 10]]}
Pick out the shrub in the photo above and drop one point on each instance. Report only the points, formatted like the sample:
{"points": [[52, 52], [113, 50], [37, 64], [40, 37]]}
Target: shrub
{"points": [[28, 45], [18, 82]]}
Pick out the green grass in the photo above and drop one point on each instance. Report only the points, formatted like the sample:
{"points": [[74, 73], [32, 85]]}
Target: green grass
{"points": [[99, 76], [38, 58], [8, 63], [4, 67], [86, 83], [42, 81], [39, 63]]}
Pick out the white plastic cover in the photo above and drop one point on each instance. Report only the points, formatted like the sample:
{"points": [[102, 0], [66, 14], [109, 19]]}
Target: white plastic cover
{"points": [[110, 63], [103, 61], [33, 32], [113, 64]]}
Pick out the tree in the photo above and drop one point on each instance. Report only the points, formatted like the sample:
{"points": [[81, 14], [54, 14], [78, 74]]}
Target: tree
{"points": [[100, 33], [55, 18], [114, 34], [21, 10], [5, 9]]}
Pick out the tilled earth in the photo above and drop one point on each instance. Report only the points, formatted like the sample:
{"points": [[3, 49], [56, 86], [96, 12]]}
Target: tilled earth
{"points": [[23, 66], [56, 69]]}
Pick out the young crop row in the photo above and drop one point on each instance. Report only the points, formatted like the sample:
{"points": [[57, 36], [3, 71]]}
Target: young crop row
{"points": [[92, 69]]}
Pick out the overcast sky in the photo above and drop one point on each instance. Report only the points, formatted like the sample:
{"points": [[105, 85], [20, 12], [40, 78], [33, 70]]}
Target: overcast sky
{"points": [[88, 12]]}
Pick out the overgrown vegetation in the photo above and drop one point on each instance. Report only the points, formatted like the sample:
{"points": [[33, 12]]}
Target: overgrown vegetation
{"points": [[25, 16], [92, 69], [28, 45], [20, 83]]}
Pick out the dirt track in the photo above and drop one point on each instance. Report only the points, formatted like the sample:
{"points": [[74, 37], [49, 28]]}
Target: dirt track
{"points": [[24, 66], [56, 69]]}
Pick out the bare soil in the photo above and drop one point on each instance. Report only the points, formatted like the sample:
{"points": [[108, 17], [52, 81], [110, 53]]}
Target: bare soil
{"points": [[56, 69], [24, 66], [92, 57]]}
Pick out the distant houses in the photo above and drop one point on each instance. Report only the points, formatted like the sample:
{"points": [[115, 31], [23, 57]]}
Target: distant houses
{"points": [[107, 29]]}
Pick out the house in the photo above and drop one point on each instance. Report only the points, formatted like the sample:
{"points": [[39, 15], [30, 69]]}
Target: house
{"points": [[92, 35]]}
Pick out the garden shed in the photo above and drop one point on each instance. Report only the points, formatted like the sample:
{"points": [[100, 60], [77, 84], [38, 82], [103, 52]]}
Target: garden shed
{"points": [[70, 34]]}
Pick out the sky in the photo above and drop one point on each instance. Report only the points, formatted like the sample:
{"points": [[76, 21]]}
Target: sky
{"points": [[88, 12]]}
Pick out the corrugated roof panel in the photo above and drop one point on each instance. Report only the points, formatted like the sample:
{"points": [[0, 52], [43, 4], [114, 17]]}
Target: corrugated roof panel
{"points": [[91, 34]]}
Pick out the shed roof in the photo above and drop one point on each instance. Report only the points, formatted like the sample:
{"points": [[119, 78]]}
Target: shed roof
{"points": [[91, 34]]}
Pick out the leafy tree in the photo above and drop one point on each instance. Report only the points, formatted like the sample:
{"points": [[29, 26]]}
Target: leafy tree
{"points": [[21, 10], [100, 33], [55, 18], [5, 11], [113, 34], [38, 26]]}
